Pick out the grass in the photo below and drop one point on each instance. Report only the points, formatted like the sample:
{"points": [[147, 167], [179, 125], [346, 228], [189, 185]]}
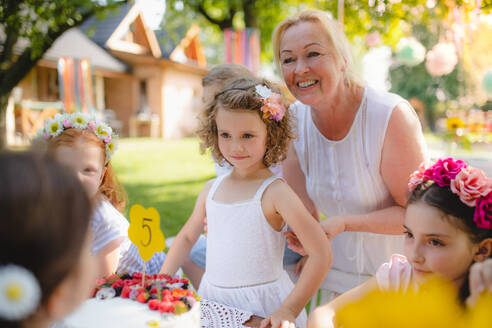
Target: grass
{"points": [[165, 174]]}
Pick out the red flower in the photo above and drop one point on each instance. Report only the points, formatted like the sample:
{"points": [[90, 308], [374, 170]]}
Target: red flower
{"points": [[444, 170], [483, 212]]}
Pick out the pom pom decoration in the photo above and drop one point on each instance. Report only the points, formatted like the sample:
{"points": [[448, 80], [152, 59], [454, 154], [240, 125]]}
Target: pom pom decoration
{"points": [[442, 59], [487, 82], [410, 52]]}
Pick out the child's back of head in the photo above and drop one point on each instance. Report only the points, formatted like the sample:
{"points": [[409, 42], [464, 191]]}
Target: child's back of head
{"points": [[45, 219]]}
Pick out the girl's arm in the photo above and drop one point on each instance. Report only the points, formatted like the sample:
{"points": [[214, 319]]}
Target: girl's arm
{"points": [[403, 150], [316, 245], [292, 173], [188, 235], [108, 257], [325, 315]]}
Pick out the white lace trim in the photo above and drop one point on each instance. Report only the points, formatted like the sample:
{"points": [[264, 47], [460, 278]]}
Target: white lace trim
{"points": [[215, 315]]}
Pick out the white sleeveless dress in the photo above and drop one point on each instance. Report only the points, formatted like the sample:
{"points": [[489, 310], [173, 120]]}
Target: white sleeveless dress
{"points": [[343, 177], [244, 256]]}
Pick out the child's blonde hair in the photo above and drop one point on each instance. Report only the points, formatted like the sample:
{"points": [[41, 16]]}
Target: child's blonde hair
{"points": [[221, 73], [239, 94], [110, 188]]}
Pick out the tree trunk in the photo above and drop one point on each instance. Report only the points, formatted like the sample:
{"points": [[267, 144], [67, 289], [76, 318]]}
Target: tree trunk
{"points": [[4, 101]]}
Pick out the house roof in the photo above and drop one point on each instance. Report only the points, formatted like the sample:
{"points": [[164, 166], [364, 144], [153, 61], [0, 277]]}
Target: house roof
{"points": [[168, 41], [100, 30], [73, 43]]}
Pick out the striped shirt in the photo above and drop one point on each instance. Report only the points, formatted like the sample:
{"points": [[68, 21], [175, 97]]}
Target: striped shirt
{"points": [[109, 224]]}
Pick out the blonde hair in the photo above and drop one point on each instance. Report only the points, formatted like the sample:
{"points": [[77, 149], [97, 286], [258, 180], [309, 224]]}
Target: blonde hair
{"points": [[219, 74], [239, 94], [334, 33], [110, 188]]}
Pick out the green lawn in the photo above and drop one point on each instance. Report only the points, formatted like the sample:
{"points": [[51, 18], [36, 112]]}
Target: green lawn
{"points": [[167, 175]]}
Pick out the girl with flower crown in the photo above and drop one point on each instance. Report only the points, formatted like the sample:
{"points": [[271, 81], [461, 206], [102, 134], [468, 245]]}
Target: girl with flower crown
{"points": [[46, 267], [86, 145], [248, 210], [448, 228]]}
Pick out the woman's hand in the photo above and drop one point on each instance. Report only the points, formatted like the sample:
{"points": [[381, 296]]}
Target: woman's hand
{"points": [[333, 226], [480, 280], [282, 318]]}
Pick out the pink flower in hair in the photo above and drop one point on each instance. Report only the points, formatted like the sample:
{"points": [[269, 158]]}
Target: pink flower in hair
{"points": [[469, 184], [107, 139], [483, 212], [67, 123], [273, 107], [417, 177], [444, 170], [91, 126]]}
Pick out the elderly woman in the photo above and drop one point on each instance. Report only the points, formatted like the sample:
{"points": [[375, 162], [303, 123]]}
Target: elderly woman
{"points": [[355, 150]]}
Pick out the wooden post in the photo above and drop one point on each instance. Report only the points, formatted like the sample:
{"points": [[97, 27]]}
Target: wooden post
{"points": [[340, 12]]}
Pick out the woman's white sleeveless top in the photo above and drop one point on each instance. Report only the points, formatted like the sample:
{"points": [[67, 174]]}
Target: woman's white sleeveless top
{"points": [[343, 177]]}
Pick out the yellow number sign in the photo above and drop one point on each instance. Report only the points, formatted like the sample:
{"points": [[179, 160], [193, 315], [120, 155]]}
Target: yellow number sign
{"points": [[145, 231]]}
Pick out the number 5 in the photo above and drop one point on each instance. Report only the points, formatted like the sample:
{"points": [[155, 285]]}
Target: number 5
{"points": [[144, 225]]}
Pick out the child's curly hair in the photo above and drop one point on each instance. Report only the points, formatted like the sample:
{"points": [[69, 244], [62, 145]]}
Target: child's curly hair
{"points": [[239, 94]]}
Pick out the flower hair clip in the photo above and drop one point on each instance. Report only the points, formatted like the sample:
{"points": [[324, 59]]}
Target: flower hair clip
{"points": [[55, 126], [20, 292], [273, 107], [470, 184]]}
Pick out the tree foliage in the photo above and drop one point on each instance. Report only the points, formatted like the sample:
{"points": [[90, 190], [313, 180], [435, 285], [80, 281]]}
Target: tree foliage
{"points": [[393, 19], [28, 28]]}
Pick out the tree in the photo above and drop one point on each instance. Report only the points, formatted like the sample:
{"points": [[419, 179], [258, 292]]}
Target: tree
{"points": [[393, 19], [28, 29]]}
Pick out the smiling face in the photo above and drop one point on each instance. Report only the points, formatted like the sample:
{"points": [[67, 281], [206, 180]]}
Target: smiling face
{"points": [[242, 137], [86, 160], [435, 246], [309, 65]]}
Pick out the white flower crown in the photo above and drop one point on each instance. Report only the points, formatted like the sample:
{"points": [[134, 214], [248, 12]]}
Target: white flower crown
{"points": [[19, 292], [53, 127]]}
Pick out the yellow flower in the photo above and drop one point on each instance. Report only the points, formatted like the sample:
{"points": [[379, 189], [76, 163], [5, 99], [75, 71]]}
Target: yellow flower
{"points": [[480, 315], [433, 305], [454, 123]]}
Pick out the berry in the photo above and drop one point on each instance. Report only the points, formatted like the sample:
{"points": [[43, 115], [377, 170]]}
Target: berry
{"points": [[142, 297], [118, 291], [154, 305], [166, 307], [125, 292]]}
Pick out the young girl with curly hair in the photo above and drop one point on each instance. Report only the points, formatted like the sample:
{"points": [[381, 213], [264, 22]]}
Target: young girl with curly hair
{"points": [[448, 228], [249, 209]]}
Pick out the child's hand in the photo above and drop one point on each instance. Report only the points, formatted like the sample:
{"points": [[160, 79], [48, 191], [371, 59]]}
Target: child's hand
{"points": [[293, 243], [480, 280], [205, 226], [282, 318]]}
